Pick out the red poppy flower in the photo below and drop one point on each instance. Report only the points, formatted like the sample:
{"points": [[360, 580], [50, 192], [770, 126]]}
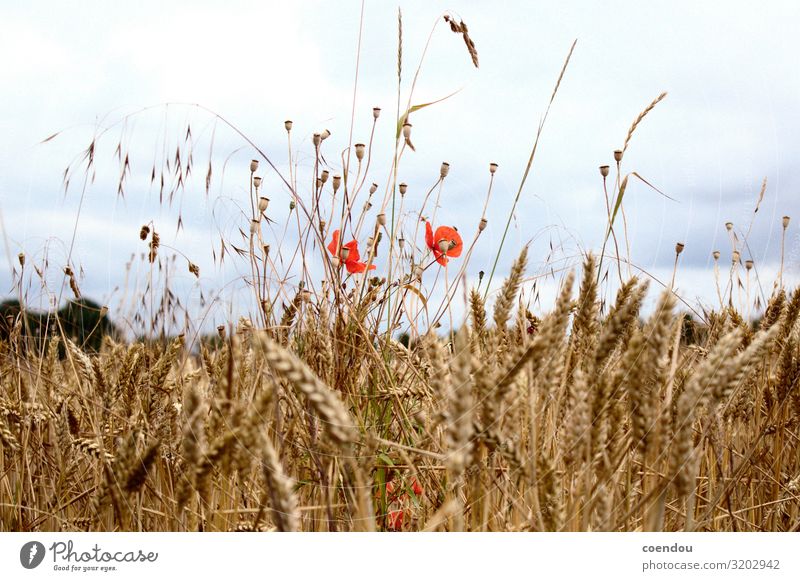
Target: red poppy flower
{"points": [[348, 254], [394, 520], [416, 487], [445, 242]]}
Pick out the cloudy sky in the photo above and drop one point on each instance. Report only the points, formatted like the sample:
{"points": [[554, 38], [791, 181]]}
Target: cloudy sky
{"points": [[729, 121]]}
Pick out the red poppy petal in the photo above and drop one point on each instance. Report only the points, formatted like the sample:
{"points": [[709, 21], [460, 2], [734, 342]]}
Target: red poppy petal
{"points": [[395, 520], [429, 235], [416, 487], [333, 247], [441, 258], [353, 255]]}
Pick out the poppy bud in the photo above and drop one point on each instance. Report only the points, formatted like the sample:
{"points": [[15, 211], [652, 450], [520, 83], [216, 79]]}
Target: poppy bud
{"points": [[492, 168], [729, 226], [316, 139], [382, 219], [262, 204], [679, 247], [360, 147], [337, 181], [373, 188], [324, 176], [21, 257], [253, 226], [403, 189], [344, 253], [482, 225], [288, 125], [221, 331], [325, 134], [748, 264], [715, 254], [786, 222], [257, 182], [444, 170], [253, 166], [407, 130], [604, 170], [618, 155], [376, 112]]}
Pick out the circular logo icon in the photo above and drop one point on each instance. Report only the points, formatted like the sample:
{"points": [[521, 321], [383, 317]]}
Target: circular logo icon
{"points": [[31, 554]]}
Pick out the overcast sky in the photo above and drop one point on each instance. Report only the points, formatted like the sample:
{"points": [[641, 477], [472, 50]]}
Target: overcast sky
{"points": [[730, 120]]}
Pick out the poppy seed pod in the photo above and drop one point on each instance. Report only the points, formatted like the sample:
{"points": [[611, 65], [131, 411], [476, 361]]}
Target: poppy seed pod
{"points": [[786, 222], [618, 155], [715, 254], [316, 139], [344, 253], [253, 226], [360, 148], [325, 134], [253, 165], [482, 225], [367, 206], [257, 182], [376, 112], [337, 181], [262, 204], [748, 264], [444, 245], [265, 248], [373, 188], [679, 247], [492, 168], [288, 125], [335, 262], [319, 183], [444, 170], [736, 256], [382, 219], [729, 226], [103, 311], [292, 205], [324, 176], [403, 188], [604, 171], [401, 242], [21, 257], [407, 130]]}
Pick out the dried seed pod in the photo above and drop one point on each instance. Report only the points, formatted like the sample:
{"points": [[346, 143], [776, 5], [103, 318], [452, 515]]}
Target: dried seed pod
{"points": [[344, 253], [679, 247], [21, 258], [401, 242], [444, 170], [221, 331], [604, 171], [403, 188], [324, 176], [367, 205], [492, 168], [292, 205], [360, 149], [325, 134], [373, 188], [748, 264], [337, 181], [407, 130], [376, 112], [482, 225], [253, 166], [382, 219], [253, 226], [729, 226], [288, 125], [618, 155], [716, 255], [263, 203], [786, 222], [316, 139], [736, 257], [257, 182]]}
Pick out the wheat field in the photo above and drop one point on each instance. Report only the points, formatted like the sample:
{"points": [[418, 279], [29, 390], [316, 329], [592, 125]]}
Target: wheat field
{"points": [[352, 400]]}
